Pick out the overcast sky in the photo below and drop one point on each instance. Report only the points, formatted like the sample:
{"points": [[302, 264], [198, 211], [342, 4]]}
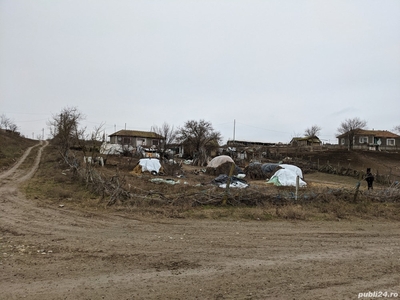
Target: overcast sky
{"points": [[276, 67]]}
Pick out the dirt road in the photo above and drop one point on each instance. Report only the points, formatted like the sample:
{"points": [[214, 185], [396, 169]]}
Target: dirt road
{"points": [[52, 252]]}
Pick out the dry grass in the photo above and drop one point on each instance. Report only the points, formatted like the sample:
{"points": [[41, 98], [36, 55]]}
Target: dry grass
{"points": [[53, 183], [12, 146], [195, 197]]}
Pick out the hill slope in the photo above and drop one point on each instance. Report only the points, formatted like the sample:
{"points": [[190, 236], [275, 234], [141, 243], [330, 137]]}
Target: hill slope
{"points": [[12, 146], [381, 162]]}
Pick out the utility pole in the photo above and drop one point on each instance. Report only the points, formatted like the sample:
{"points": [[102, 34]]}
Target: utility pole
{"points": [[234, 128]]}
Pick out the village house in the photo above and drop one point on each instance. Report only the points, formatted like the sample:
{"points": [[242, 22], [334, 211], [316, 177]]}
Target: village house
{"points": [[136, 138], [305, 141], [371, 139]]}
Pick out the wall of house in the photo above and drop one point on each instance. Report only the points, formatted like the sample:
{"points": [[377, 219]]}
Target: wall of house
{"points": [[113, 139], [134, 141], [370, 142], [372, 147], [123, 140]]}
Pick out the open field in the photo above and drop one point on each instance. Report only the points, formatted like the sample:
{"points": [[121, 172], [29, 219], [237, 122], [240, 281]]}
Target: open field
{"points": [[71, 245]]}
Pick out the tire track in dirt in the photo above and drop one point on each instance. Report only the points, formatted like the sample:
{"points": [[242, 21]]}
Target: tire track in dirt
{"points": [[22, 216], [8, 175], [35, 165]]}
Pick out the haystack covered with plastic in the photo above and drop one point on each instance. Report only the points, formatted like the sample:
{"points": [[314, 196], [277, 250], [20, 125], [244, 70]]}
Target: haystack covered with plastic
{"points": [[151, 165], [257, 170], [287, 176], [222, 165], [276, 173]]}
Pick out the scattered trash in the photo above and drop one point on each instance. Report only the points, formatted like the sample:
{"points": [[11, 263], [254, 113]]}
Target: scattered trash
{"points": [[197, 172], [235, 182], [161, 180]]}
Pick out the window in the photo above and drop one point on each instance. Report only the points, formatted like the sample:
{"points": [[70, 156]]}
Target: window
{"points": [[343, 141], [127, 141], [390, 142], [155, 142], [363, 140]]}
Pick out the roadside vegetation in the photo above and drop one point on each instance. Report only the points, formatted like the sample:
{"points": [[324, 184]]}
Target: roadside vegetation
{"points": [[12, 146], [66, 179], [55, 183]]}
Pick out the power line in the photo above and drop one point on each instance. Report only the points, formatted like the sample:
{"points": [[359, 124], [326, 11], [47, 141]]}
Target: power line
{"points": [[262, 128], [31, 121], [20, 113]]}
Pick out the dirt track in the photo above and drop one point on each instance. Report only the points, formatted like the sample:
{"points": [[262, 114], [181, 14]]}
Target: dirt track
{"points": [[49, 252]]}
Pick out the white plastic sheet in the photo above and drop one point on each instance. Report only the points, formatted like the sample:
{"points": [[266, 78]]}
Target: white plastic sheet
{"points": [[219, 160], [286, 177], [293, 168], [150, 164]]}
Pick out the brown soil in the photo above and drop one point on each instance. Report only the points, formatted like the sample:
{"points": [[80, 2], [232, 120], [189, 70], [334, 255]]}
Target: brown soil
{"points": [[53, 252]]}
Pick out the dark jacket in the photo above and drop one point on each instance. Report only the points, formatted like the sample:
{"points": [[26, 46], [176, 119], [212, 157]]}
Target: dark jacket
{"points": [[369, 178]]}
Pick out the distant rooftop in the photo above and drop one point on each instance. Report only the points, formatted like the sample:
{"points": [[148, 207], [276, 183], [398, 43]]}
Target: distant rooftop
{"points": [[248, 143], [375, 133], [137, 133]]}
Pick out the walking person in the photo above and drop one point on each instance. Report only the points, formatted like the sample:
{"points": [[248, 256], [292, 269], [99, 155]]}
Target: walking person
{"points": [[370, 179]]}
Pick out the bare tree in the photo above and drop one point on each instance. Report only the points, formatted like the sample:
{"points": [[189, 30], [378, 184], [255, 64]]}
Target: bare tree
{"points": [[199, 139], [7, 123], [313, 131], [349, 127], [64, 129], [169, 136], [13, 127], [4, 121], [397, 128]]}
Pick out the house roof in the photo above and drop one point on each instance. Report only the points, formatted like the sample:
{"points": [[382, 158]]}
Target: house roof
{"points": [[375, 133], [137, 133], [247, 143], [307, 138]]}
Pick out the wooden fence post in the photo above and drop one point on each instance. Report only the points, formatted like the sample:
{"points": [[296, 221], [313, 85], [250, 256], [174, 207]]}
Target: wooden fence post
{"points": [[228, 183]]}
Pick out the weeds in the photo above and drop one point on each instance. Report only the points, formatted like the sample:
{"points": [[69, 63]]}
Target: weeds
{"points": [[56, 181]]}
